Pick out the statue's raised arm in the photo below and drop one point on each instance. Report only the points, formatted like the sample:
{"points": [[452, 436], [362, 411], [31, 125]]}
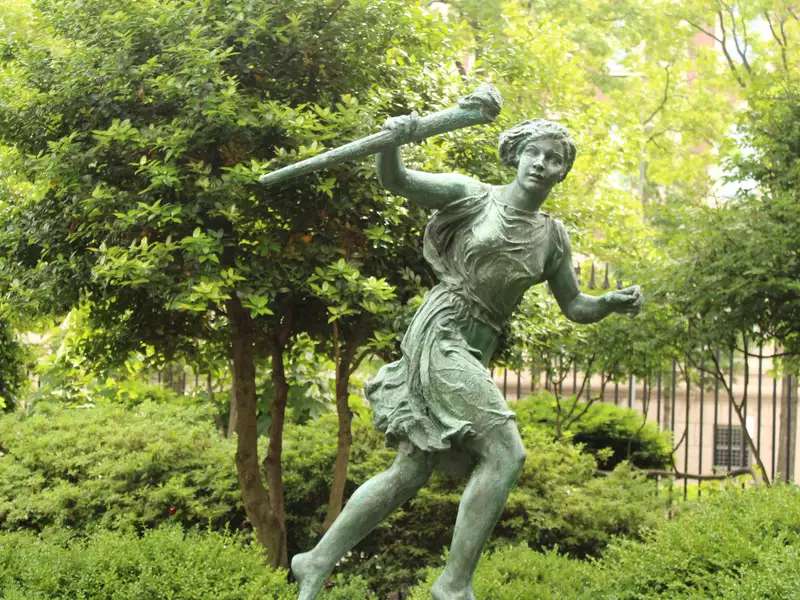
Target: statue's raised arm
{"points": [[481, 106], [431, 190]]}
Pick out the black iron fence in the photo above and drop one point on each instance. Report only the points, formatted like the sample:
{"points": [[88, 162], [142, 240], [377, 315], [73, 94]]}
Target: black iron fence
{"points": [[741, 419]]}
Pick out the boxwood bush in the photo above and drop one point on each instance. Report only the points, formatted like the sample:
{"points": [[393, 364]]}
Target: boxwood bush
{"points": [[111, 467], [737, 545], [612, 433], [519, 573], [165, 563], [134, 468]]}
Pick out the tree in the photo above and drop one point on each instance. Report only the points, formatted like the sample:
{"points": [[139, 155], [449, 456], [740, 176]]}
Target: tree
{"points": [[363, 314], [145, 126], [731, 280]]}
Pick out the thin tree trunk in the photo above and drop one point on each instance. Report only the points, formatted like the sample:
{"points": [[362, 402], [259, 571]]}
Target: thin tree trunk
{"points": [[345, 435], [272, 463], [218, 420], [233, 413], [788, 424], [255, 497]]}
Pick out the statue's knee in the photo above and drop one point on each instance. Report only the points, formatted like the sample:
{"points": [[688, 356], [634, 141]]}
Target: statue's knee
{"points": [[518, 456], [513, 459]]}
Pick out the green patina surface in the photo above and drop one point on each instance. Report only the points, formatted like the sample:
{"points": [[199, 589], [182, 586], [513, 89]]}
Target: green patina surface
{"points": [[437, 403]]}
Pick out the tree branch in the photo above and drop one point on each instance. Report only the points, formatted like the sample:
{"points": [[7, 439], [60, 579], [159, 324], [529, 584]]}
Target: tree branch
{"points": [[570, 419], [741, 49], [704, 30], [728, 57], [664, 99], [781, 40], [680, 440], [762, 355]]}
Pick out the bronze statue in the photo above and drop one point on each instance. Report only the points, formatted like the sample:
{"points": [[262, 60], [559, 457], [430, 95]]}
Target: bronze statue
{"points": [[487, 244]]}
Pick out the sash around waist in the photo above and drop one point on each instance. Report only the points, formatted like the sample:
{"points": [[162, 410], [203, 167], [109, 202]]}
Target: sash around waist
{"points": [[471, 305], [479, 328]]}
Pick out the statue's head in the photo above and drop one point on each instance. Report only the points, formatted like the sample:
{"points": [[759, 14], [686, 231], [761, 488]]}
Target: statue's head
{"points": [[514, 140]]}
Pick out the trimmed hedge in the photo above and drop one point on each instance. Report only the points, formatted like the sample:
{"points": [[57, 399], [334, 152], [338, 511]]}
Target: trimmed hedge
{"points": [[519, 573], [111, 467], [737, 545], [116, 468], [165, 563], [613, 434]]}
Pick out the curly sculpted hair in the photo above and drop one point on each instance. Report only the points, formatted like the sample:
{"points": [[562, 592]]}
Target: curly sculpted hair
{"points": [[513, 140]]}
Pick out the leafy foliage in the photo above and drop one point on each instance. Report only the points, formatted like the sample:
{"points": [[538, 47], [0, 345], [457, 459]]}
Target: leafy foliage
{"points": [[737, 544], [151, 131], [163, 563], [13, 367], [612, 433], [730, 546], [108, 467], [131, 469], [516, 572]]}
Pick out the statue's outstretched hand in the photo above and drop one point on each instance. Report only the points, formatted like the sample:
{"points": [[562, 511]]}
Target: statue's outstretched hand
{"points": [[404, 127], [627, 300]]}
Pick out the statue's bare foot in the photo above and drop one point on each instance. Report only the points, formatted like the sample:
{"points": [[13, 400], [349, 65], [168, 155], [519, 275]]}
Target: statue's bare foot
{"points": [[310, 575], [443, 591]]}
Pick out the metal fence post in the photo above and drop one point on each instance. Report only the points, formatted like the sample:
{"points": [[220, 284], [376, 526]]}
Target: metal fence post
{"points": [[686, 437]]}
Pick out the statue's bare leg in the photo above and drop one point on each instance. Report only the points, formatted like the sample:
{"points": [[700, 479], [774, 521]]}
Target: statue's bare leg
{"points": [[367, 507], [500, 458]]}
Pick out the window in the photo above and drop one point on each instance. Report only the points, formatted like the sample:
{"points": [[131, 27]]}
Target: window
{"points": [[730, 447]]}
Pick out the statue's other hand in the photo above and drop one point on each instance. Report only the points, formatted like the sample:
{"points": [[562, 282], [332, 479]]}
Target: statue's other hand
{"points": [[405, 127], [627, 300]]}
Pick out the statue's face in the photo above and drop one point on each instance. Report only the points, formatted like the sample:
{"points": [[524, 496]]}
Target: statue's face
{"points": [[541, 165]]}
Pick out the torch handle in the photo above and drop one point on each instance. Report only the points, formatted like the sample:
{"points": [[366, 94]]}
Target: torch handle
{"points": [[482, 106]]}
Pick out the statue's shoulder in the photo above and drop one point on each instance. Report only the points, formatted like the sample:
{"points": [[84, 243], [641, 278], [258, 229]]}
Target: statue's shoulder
{"points": [[558, 229], [474, 198], [559, 239]]}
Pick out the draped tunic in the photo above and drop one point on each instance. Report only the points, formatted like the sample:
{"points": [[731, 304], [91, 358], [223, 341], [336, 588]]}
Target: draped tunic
{"points": [[485, 254]]}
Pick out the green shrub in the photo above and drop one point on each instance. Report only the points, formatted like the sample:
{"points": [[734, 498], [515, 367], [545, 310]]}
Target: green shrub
{"points": [[165, 563], [560, 501], [612, 433], [134, 468], [737, 544], [133, 392], [519, 573], [111, 467]]}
